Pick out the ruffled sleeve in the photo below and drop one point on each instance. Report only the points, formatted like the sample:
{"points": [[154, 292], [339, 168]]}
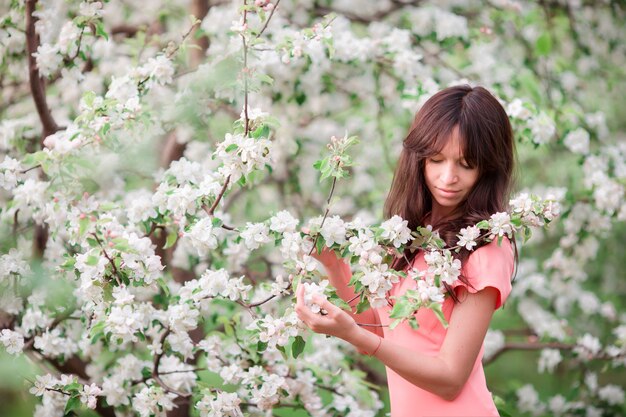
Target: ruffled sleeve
{"points": [[491, 265]]}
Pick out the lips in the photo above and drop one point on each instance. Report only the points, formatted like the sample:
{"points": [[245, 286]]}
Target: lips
{"points": [[449, 193]]}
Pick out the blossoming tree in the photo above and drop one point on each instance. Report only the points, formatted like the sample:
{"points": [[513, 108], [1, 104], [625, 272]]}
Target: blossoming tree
{"points": [[156, 170]]}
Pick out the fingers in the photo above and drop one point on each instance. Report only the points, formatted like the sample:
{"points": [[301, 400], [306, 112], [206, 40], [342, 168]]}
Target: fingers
{"points": [[325, 305], [302, 311]]}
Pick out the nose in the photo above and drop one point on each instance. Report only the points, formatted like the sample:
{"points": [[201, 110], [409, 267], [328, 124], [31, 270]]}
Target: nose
{"points": [[449, 174]]}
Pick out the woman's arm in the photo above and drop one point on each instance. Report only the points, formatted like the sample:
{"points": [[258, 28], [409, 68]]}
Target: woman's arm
{"points": [[339, 274], [444, 374]]}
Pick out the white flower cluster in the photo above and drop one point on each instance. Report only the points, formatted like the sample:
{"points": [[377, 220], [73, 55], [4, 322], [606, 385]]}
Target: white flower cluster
{"points": [[533, 210], [468, 236], [44, 384], [13, 341], [255, 235], [444, 23], [276, 331], [203, 235], [378, 279], [577, 141], [588, 346], [396, 231], [266, 394], [442, 264], [500, 225], [13, 264], [9, 170], [542, 128], [241, 155], [334, 231], [311, 290], [218, 283], [158, 70], [153, 400], [427, 289], [124, 322], [517, 109], [548, 360], [222, 404]]}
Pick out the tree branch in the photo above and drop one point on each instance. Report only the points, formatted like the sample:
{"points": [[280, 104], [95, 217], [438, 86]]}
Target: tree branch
{"points": [[36, 82]]}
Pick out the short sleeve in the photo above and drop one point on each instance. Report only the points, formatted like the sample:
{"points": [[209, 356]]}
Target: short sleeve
{"points": [[491, 265]]}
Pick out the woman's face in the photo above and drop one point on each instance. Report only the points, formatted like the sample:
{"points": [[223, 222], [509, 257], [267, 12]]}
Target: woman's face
{"points": [[448, 178]]}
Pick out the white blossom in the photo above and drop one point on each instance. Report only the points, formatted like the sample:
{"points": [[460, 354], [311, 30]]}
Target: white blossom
{"points": [[549, 359], [500, 224], [396, 230], [13, 341], [255, 235], [587, 346], [48, 59], [542, 128], [153, 400], [224, 404], [516, 109], [468, 236], [334, 231], [88, 395], [282, 222], [577, 141], [612, 394]]}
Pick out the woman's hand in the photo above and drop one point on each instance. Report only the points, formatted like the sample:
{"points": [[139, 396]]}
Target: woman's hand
{"points": [[335, 322]]}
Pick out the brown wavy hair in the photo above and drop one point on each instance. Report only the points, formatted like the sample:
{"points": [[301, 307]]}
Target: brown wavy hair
{"points": [[486, 142]]}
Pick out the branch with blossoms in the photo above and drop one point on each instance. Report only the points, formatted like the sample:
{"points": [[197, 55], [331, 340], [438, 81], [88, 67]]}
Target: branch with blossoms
{"points": [[375, 249]]}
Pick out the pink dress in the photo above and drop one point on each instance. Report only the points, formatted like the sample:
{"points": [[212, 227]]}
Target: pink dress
{"points": [[488, 266]]}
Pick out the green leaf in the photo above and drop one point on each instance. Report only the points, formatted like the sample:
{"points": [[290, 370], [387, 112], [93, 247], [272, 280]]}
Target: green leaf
{"points": [[436, 308], [483, 224], [363, 305], [100, 30], [92, 260], [83, 224], [98, 327], [264, 78], [395, 323], [228, 328], [261, 346], [121, 244], [231, 147], [543, 45], [401, 309], [339, 302], [72, 404], [163, 286], [171, 239], [74, 386], [297, 347], [262, 131], [319, 244]]}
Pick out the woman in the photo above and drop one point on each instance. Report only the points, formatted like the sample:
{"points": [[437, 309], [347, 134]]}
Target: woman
{"points": [[455, 170]]}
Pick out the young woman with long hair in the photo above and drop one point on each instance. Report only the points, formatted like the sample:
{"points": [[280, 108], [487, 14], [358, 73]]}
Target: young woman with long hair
{"points": [[455, 169]]}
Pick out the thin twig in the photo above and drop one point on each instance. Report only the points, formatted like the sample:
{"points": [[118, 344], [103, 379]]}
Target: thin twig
{"points": [[106, 255], [268, 20], [29, 169], [155, 368]]}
